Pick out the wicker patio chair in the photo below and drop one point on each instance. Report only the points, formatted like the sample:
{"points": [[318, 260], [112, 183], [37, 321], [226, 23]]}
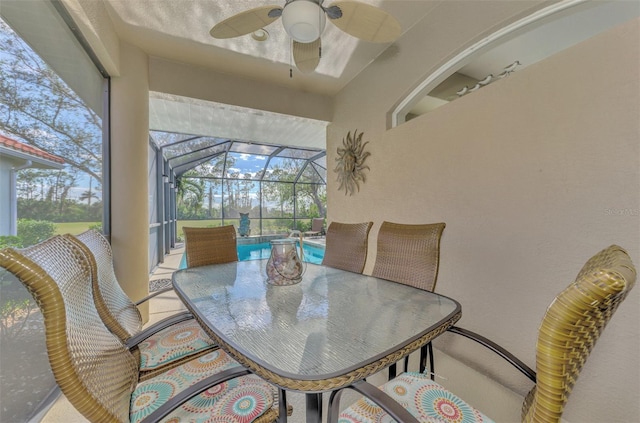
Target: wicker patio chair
{"points": [[569, 330], [410, 254], [161, 346], [210, 245], [317, 225], [97, 372], [346, 246]]}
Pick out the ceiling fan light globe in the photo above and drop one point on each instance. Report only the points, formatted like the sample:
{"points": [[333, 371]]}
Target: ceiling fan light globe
{"points": [[303, 20]]}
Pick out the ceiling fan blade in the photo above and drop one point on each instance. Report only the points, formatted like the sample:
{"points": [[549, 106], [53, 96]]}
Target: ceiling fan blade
{"points": [[306, 55], [369, 23], [246, 22]]}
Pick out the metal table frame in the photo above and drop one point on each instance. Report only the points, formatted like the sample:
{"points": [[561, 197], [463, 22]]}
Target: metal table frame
{"points": [[327, 332]]}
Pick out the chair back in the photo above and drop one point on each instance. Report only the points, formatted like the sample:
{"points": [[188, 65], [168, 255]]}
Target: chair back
{"points": [[346, 246], [94, 370], [409, 254], [316, 224], [570, 328], [115, 307], [210, 245]]}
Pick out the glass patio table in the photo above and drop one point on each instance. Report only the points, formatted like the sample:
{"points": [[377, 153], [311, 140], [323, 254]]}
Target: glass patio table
{"points": [[330, 330]]}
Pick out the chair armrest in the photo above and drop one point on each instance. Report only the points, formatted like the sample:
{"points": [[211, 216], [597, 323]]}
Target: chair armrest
{"points": [[153, 294], [165, 409], [384, 401], [502, 352], [157, 327]]}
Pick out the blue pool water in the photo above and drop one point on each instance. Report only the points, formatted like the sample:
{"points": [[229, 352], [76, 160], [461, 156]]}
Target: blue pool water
{"points": [[312, 253]]}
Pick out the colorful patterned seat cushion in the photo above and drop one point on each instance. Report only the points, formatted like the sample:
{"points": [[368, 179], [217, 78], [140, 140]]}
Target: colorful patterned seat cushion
{"points": [[238, 400], [423, 398], [173, 343]]}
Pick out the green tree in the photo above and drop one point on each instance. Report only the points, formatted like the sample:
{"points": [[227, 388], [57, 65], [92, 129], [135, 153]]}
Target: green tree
{"points": [[88, 195], [9, 241], [314, 194], [282, 191], [190, 195], [37, 107], [44, 194], [32, 232]]}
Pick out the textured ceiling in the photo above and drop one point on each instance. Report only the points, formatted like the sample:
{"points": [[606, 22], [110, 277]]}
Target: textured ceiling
{"points": [[178, 30]]}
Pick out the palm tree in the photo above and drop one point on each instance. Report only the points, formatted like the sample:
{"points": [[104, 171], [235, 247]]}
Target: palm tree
{"points": [[191, 193], [88, 195]]}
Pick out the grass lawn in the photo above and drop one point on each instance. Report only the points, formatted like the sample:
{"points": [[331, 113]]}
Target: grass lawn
{"points": [[73, 228]]}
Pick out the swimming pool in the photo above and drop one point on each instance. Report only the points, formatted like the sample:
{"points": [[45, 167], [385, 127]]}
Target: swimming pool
{"points": [[312, 253]]}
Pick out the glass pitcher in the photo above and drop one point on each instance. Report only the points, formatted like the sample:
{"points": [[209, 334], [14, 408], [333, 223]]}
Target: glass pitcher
{"points": [[284, 266]]}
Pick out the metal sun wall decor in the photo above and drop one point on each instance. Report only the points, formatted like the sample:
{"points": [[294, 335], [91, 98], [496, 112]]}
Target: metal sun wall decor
{"points": [[350, 165]]}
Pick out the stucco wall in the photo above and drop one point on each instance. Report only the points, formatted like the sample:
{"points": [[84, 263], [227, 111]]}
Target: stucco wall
{"points": [[532, 174], [196, 82], [93, 21], [130, 201]]}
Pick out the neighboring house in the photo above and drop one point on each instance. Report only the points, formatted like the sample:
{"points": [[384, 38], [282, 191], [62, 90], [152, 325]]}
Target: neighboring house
{"points": [[15, 156]]}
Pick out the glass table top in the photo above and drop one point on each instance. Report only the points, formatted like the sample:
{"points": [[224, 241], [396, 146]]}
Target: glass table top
{"points": [[331, 323]]}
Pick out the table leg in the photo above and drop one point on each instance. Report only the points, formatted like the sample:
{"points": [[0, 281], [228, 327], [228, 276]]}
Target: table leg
{"points": [[314, 408], [282, 409]]}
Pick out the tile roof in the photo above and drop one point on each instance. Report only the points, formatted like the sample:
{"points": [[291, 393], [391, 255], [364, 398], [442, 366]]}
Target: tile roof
{"points": [[25, 148]]}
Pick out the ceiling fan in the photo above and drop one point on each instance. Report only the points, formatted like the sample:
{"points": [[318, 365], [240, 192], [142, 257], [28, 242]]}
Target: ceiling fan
{"points": [[304, 21]]}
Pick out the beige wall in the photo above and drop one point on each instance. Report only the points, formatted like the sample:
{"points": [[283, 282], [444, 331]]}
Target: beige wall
{"points": [[196, 82], [93, 21], [532, 174], [129, 151]]}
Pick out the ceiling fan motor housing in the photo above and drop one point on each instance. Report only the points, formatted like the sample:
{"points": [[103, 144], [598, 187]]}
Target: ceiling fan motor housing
{"points": [[303, 20]]}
